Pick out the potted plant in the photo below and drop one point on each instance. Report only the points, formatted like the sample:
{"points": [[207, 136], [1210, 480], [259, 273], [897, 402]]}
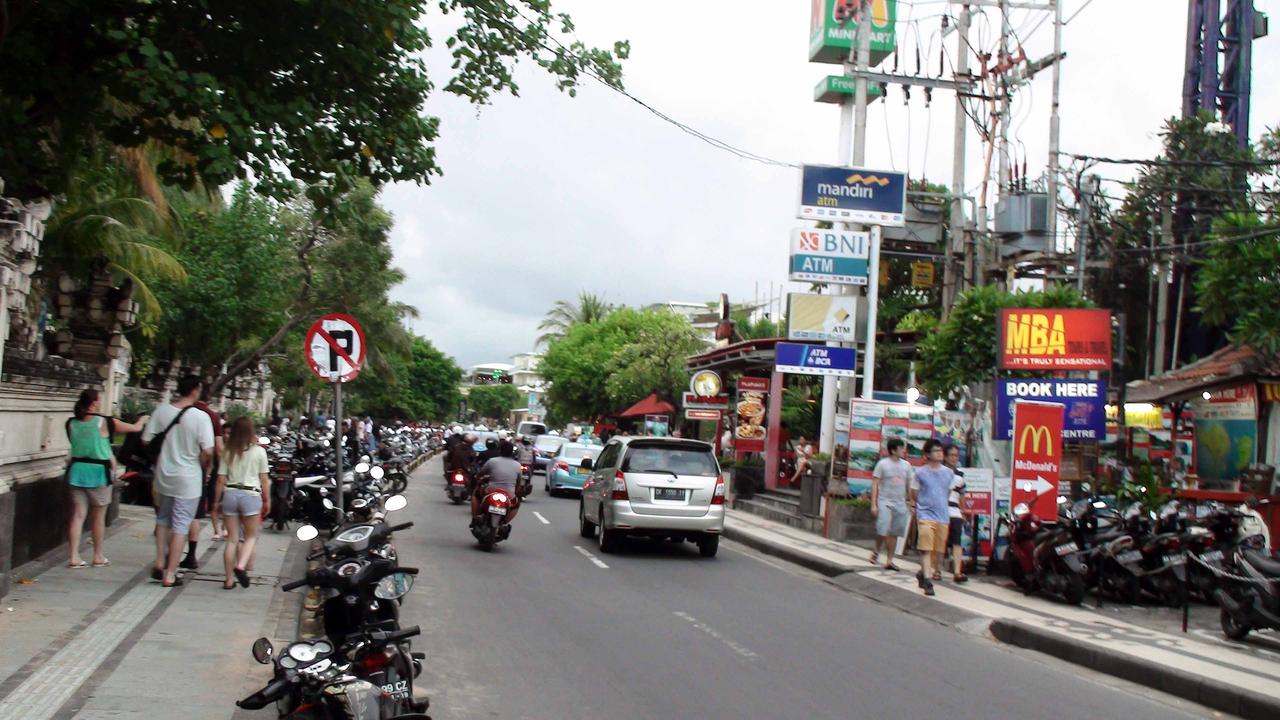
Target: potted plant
{"points": [[851, 519], [748, 477]]}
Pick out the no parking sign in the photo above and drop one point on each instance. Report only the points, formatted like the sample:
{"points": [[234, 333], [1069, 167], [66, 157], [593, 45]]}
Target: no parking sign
{"points": [[335, 348]]}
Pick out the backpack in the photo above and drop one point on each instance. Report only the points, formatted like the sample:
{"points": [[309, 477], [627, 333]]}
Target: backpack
{"points": [[152, 450]]}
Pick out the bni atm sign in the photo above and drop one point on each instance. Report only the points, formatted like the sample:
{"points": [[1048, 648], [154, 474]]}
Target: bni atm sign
{"points": [[830, 256]]}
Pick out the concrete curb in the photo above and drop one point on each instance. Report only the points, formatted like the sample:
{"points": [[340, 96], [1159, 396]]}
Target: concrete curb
{"points": [[1203, 690]]}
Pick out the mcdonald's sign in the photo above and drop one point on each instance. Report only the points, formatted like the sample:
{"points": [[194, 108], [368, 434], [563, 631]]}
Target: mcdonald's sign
{"points": [[1037, 455]]}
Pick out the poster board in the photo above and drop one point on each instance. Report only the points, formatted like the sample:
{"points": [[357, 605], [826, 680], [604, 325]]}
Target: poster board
{"points": [[872, 423]]}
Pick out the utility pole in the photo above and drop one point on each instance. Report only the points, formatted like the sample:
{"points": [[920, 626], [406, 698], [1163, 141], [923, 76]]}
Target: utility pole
{"points": [[1054, 122], [1162, 285], [1006, 91], [859, 159], [1087, 189], [950, 281]]}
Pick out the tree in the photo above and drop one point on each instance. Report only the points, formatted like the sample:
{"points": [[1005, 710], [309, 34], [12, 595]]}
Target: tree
{"points": [[493, 401], [588, 308], [653, 360], [336, 96], [962, 350], [423, 385], [1238, 282]]}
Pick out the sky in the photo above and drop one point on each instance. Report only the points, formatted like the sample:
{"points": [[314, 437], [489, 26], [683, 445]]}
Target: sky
{"points": [[544, 195]]}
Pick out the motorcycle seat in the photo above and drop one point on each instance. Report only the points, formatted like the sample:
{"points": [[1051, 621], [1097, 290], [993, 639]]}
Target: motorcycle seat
{"points": [[1262, 563]]}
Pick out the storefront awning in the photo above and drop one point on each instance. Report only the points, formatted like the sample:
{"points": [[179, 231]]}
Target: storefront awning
{"points": [[1232, 365], [648, 406]]}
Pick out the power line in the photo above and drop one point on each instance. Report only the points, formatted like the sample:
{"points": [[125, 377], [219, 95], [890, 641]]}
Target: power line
{"points": [[1172, 163]]}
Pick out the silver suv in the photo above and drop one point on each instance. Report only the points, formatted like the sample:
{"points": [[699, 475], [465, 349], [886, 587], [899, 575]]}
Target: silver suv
{"points": [[663, 487]]}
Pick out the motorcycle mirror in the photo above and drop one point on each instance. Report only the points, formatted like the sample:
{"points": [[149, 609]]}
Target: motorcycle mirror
{"points": [[326, 443], [1099, 504], [1021, 509], [264, 440], [364, 458], [393, 586], [263, 651], [307, 533], [1086, 488], [395, 502], [377, 472], [362, 467], [1062, 500], [328, 504]]}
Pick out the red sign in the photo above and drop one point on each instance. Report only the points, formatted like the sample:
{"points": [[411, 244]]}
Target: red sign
{"points": [[335, 348], [705, 402], [712, 415], [751, 429], [1037, 456], [1048, 339], [753, 383]]}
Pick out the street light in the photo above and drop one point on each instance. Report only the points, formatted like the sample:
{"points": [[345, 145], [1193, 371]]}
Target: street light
{"points": [[913, 394], [1205, 395]]}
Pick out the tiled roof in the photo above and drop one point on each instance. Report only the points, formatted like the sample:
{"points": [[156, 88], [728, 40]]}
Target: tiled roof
{"points": [[1224, 367]]}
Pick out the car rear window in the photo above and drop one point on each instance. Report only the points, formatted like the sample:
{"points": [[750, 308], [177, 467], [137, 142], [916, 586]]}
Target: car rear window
{"points": [[577, 452], [668, 458], [548, 443]]}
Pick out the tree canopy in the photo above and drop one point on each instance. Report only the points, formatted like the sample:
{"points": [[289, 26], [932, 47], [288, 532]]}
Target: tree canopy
{"points": [[493, 401], [587, 308]]}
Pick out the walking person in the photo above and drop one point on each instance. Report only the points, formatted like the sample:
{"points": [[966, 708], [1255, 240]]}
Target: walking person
{"points": [[243, 497], [932, 489], [891, 478], [205, 509], [89, 473], [186, 454], [370, 438], [955, 531]]}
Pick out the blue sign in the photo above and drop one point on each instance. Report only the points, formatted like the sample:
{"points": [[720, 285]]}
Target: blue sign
{"points": [[852, 195], [800, 359], [1085, 400], [830, 256]]}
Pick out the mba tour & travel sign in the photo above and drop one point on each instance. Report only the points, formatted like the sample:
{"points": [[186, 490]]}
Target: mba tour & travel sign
{"points": [[1054, 339]]}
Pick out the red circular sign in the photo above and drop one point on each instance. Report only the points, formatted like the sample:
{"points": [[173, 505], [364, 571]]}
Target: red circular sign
{"points": [[335, 348]]}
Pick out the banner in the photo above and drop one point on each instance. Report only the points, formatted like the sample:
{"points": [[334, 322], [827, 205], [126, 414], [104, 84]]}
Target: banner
{"points": [[829, 256], [872, 424], [1226, 432], [852, 195], [1037, 456], [979, 501], [830, 318], [814, 360], [751, 430], [1085, 401], [1034, 339]]}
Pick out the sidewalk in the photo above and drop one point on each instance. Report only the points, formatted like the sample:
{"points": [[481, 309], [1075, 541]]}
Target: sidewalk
{"points": [[109, 642], [1238, 678]]}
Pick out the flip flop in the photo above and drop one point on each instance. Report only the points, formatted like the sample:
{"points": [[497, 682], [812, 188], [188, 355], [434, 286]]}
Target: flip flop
{"points": [[228, 584], [77, 565], [961, 578], [105, 562], [242, 576], [177, 582]]}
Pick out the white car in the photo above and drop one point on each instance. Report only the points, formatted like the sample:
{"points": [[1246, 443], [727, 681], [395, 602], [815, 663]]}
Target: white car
{"points": [[659, 487]]}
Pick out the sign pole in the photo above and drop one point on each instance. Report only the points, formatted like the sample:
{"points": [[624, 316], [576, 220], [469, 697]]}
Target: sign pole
{"points": [[873, 311], [340, 441]]}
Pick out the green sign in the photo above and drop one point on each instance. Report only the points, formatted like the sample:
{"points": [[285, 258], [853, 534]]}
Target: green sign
{"points": [[830, 41], [836, 88]]}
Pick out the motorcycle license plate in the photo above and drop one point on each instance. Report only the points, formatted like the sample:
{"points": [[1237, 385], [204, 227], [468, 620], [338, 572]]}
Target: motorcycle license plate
{"points": [[497, 510], [1175, 559], [1131, 556], [1067, 549], [1212, 556]]}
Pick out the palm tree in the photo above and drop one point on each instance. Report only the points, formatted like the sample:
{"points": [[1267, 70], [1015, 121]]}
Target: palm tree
{"points": [[588, 308]]}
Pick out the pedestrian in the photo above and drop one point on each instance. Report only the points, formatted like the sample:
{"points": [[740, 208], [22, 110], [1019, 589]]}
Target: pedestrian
{"points": [[891, 477], [931, 489], [185, 456], [243, 497], [955, 531], [205, 508], [369, 437], [89, 473]]}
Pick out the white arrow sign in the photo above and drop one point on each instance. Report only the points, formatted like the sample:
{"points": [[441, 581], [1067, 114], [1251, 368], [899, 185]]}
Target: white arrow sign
{"points": [[1039, 486]]}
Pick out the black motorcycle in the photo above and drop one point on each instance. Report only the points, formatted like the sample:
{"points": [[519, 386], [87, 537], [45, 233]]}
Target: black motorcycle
{"points": [[1250, 597]]}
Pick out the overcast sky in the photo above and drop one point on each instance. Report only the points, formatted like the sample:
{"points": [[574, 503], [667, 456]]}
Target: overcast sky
{"points": [[546, 195]]}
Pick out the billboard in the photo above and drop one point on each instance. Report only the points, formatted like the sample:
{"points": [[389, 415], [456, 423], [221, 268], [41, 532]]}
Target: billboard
{"points": [[1085, 401], [829, 318], [751, 429], [1054, 339], [852, 195], [800, 359], [829, 256], [830, 41], [1037, 456], [835, 89]]}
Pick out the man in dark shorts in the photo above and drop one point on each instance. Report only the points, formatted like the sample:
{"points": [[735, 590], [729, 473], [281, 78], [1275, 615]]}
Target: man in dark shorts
{"points": [[210, 484]]}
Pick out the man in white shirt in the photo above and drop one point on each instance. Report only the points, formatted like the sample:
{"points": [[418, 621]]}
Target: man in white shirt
{"points": [[892, 478], [185, 458]]}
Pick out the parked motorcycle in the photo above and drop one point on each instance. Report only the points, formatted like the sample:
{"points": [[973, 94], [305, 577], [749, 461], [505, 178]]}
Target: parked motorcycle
{"points": [[1045, 558], [1250, 597]]}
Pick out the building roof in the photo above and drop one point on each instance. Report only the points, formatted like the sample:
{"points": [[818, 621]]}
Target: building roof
{"points": [[1229, 366]]}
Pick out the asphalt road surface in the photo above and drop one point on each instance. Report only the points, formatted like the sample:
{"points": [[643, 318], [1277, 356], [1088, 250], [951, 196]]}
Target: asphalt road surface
{"points": [[547, 627]]}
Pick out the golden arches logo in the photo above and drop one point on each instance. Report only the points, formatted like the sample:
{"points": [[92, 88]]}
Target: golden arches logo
{"points": [[859, 178], [1036, 432]]}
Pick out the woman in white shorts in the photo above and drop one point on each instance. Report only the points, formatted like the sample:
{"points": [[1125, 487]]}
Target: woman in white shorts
{"points": [[243, 497]]}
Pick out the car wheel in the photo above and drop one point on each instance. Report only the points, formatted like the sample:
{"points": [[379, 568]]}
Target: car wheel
{"points": [[708, 545], [586, 528], [608, 539]]}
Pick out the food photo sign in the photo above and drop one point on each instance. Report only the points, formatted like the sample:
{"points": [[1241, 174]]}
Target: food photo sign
{"points": [[751, 430]]}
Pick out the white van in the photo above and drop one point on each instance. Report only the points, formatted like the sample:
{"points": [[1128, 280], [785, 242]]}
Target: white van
{"points": [[531, 429]]}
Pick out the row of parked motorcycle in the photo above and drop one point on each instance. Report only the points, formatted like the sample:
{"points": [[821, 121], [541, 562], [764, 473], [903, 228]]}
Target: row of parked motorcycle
{"points": [[364, 666], [1207, 552]]}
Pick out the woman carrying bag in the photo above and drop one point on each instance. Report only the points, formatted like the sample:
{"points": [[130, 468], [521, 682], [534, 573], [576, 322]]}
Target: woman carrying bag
{"points": [[89, 473]]}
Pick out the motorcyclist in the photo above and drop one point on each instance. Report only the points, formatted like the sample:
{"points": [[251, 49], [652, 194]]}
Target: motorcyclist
{"points": [[490, 451], [499, 473], [524, 452], [461, 455]]}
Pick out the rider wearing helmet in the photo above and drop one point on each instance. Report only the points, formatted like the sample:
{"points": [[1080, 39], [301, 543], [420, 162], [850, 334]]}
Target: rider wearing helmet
{"points": [[502, 472], [460, 456], [490, 451]]}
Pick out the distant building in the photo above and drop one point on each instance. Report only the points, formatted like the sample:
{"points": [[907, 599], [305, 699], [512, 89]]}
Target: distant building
{"points": [[702, 316], [489, 374]]}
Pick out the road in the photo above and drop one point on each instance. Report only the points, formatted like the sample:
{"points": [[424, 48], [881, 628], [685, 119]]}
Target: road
{"points": [[547, 627]]}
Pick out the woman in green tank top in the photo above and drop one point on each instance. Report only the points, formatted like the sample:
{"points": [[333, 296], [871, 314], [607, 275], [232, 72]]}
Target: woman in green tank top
{"points": [[89, 473]]}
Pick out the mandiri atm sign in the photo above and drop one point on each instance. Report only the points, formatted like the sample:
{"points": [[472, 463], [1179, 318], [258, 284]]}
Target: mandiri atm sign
{"points": [[1055, 339], [1037, 456]]}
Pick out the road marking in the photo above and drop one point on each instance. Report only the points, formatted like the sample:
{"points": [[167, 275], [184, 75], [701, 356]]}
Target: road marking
{"points": [[586, 554], [699, 625], [539, 516], [45, 690]]}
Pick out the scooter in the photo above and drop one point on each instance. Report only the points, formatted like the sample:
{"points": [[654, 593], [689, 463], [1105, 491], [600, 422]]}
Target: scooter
{"points": [[1253, 602], [491, 524], [456, 487], [1047, 559]]}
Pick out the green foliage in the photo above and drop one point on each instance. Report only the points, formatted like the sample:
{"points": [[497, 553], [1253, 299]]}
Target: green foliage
{"points": [[963, 350], [493, 401], [1144, 490], [588, 308], [761, 329], [420, 385], [317, 93], [1238, 281], [653, 359], [802, 406]]}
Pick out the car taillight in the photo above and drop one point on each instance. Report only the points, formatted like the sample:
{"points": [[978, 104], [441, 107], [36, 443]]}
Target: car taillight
{"points": [[563, 465], [620, 487], [718, 497]]}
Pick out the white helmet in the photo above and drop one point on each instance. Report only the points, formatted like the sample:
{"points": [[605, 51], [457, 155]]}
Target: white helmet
{"points": [[457, 429]]}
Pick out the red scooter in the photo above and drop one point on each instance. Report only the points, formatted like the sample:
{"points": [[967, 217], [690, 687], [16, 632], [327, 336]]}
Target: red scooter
{"points": [[456, 488], [1044, 558], [492, 523]]}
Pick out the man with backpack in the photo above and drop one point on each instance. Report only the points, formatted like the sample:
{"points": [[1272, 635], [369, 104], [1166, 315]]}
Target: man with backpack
{"points": [[181, 444]]}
